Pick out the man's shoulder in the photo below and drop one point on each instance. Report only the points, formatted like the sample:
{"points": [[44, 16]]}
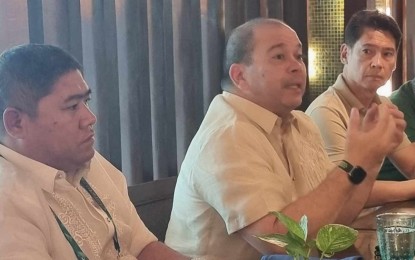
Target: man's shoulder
{"points": [[224, 120], [17, 188], [403, 93], [10, 176], [328, 98], [104, 175]]}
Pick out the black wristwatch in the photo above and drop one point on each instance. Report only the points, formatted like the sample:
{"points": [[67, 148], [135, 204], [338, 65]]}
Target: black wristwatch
{"points": [[356, 173]]}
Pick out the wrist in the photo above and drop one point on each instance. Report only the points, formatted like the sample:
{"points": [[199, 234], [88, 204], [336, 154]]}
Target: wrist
{"points": [[356, 174], [369, 164]]}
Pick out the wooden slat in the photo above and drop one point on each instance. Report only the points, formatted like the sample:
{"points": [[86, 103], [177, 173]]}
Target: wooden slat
{"points": [[101, 72], [62, 25], [234, 15], [295, 15], [275, 9], [398, 74], [252, 9], [187, 71], [213, 44], [134, 91], [35, 15], [163, 118], [410, 39], [153, 202], [352, 6]]}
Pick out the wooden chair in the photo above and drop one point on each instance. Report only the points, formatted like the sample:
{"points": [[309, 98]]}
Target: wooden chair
{"points": [[154, 201]]}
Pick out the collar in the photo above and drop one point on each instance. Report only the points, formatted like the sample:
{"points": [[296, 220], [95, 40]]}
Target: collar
{"points": [[347, 96], [259, 115], [42, 174]]}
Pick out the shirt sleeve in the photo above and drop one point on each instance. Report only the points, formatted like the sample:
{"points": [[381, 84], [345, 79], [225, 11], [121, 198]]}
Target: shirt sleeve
{"points": [[236, 176], [22, 227], [406, 103], [333, 130]]}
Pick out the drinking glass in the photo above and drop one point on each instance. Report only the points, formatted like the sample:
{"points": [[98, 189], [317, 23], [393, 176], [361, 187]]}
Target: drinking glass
{"points": [[396, 235]]}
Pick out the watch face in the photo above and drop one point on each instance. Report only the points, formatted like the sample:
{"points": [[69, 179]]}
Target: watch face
{"points": [[357, 175]]}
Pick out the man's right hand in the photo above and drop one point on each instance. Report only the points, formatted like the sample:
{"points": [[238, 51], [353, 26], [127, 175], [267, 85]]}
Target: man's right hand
{"points": [[369, 140]]}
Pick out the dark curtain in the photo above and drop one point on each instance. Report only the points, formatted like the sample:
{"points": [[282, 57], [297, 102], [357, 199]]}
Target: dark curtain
{"points": [[153, 65]]}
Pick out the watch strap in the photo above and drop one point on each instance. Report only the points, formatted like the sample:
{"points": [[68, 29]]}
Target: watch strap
{"points": [[345, 166], [356, 173]]}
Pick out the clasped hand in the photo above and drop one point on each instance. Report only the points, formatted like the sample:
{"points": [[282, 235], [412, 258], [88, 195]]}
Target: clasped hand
{"points": [[371, 138]]}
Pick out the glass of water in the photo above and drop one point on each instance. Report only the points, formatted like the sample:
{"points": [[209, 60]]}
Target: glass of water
{"points": [[396, 235]]}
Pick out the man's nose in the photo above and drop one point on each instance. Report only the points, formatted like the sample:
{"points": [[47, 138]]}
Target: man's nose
{"points": [[296, 64], [376, 61], [89, 118]]}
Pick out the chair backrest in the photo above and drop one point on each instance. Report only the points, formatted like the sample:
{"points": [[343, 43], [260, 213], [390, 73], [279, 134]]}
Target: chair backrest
{"points": [[153, 202]]}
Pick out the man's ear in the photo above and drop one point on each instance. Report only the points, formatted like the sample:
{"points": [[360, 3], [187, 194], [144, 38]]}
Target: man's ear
{"points": [[13, 121], [237, 75], [344, 50]]}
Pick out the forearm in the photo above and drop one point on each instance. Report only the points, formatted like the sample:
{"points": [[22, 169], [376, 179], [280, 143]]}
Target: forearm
{"points": [[322, 206], [362, 192], [391, 191], [159, 251], [331, 202], [404, 159], [355, 202]]}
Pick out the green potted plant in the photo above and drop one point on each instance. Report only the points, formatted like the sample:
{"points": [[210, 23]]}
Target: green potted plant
{"points": [[330, 239]]}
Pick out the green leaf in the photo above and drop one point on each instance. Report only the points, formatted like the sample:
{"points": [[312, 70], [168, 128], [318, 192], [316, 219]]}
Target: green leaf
{"points": [[334, 238], [296, 251], [293, 238], [312, 244], [304, 226], [330, 239], [290, 224], [293, 244], [276, 239], [296, 245]]}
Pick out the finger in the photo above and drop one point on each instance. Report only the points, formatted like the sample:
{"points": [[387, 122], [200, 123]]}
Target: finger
{"points": [[354, 121], [400, 124], [371, 118], [388, 104], [371, 113], [396, 113]]}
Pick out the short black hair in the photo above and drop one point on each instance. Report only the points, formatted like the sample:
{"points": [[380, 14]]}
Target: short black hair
{"points": [[240, 45], [371, 19], [28, 73]]}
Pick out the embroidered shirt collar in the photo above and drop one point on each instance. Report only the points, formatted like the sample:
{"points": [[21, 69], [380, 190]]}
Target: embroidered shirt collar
{"points": [[43, 174], [348, 97], [261, 116]]}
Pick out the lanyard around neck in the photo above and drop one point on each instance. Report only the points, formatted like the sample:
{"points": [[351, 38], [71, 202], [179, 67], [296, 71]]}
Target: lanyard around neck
{"points": [[91, 192], [77, 250]]}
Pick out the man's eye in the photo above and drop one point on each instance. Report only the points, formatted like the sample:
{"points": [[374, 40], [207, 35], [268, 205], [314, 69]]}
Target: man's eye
{"points": [[366, 51], [300, 57], [279, 56], [73, 107]]}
